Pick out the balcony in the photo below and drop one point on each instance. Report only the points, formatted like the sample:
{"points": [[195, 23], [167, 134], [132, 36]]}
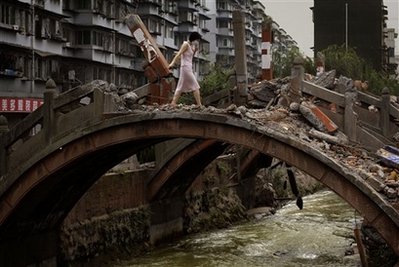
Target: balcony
{"points": [[224, 14], [187, 4], [91, 19], [226, 51], [157, 3], [225, 31], [147, 10], [186, 27]]}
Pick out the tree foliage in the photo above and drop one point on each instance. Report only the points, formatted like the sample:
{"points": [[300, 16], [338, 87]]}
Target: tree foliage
{"points": [[283, 59], [347, 63], [216, 80]]}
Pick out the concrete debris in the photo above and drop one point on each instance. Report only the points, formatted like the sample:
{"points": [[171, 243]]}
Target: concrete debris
{"points": [[129, 99], [329, 138], [325, 79], [100, 84], [308, 114], [265, 92]]}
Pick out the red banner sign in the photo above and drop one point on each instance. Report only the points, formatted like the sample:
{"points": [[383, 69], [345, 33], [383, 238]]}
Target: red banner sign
{"points": [[14, 104]]}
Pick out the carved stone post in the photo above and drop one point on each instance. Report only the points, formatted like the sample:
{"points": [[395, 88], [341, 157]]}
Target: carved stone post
{"points": [[3, 152], [297, 74], [350, 117], [384, 114], [99, 102], [240, 96], [49, 124]]}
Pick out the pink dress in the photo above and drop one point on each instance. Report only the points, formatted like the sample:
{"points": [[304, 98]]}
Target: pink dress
{"points": [[187, 81]]}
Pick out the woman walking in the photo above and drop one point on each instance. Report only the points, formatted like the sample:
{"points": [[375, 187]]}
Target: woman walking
{"points": [[187, 81]]}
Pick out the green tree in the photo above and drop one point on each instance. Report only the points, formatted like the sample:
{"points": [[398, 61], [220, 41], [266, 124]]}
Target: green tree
{"points": [[347, 63], [283, 57], [216, 80]]}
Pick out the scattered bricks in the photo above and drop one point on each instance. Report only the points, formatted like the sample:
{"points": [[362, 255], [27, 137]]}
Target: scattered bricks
{"points": [[392, 184], [393, 176], [382, 188], [378, 185], [381, 173], [390, 193], [374, 168]]}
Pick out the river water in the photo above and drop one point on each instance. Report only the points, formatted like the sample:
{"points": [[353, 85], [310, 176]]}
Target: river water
{"points": [[318, 235]]}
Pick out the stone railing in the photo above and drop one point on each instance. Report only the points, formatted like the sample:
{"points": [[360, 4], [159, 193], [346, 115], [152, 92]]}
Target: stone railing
{"points": [[364, 118], [58, 115]]}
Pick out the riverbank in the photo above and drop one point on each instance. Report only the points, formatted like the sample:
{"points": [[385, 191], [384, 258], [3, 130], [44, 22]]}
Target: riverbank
{"points": [[211, 203], [318, 235]]}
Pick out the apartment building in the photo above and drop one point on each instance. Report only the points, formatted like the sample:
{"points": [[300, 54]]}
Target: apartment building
{"points": [[221, 33], [255, 15], [71, 41], [390, 64]]}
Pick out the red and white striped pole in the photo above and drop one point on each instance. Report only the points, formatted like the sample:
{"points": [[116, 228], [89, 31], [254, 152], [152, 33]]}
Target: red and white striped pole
{"points": [[267, 69]]}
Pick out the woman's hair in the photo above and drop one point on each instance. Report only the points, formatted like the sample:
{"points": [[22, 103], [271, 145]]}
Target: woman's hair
{"points": [[194, 36]]}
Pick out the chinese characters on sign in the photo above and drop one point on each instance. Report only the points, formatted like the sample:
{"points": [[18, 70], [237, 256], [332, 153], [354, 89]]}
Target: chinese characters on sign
{"points": [[19, 104]]}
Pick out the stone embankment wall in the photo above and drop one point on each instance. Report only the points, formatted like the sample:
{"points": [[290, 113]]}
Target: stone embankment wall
{"points": [[115, 217], [112, 216]]}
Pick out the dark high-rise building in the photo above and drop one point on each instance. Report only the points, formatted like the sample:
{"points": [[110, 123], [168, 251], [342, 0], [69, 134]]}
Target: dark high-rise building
{"points": [[357, 23]]}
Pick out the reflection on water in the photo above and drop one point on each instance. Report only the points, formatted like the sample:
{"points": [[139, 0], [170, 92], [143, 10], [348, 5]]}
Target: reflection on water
{"points": [[318, 235]]}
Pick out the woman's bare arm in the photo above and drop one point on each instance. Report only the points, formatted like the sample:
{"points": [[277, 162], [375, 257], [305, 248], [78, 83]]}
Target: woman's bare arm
{"points": [[183, 48]]}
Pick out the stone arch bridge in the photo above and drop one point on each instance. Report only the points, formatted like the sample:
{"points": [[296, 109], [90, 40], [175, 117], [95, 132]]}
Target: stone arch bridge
{"points": [[83, 133]]}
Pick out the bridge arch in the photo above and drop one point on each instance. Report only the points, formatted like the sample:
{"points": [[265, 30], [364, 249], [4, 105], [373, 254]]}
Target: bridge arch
{"points": [[52, 176]]}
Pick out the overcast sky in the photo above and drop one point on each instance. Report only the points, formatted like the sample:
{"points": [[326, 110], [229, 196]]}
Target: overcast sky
{"points": [[295, 17]]}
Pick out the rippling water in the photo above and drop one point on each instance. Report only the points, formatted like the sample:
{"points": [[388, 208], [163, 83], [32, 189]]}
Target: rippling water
{"points": [[318, 235]]}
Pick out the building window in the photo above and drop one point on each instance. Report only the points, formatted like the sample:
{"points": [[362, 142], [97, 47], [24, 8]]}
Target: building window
{"points": [[98, 38], [7, 14], [39, 68], [154, 26], [82, 37], [169, 33], [222, 5], [223, 24], [171, 7], [82, 4]]}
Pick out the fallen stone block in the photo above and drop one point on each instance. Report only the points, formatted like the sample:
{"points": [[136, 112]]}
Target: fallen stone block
{"points": [[317, 118]]}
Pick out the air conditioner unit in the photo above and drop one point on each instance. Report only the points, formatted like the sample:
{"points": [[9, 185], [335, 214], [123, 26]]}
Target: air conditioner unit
{"points": [[15, 27]]}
